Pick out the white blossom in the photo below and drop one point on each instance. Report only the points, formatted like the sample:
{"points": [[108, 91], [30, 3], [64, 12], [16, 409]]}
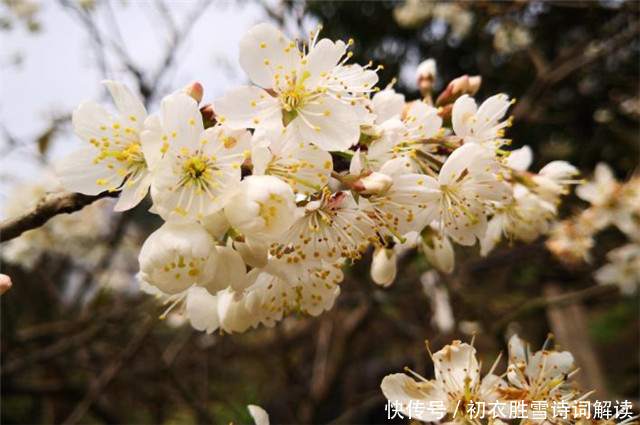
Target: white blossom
{"points": [[115, 157], [200, 168], [402, 135], [312, 93], [330, 228], [623, 269], [539, 376], [282, 288], [483, 125], [553, 180], [457, 382], [611, 202], [305, 167], [459, 200], [401, 208]]}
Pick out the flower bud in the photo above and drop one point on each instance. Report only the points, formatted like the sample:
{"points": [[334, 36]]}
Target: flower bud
{"points": [[438, 250], [194, 90], [474, 85], [373, 131], [376, 184], [263, 207], [5, 283], [459, 86], [425, 75], [383, 266]]}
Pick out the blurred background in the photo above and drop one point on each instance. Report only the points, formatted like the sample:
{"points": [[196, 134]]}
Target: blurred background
{"points": [[82, 344]]}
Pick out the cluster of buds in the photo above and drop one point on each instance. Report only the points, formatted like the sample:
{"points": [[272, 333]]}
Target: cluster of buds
{"points": [[268, 192]]}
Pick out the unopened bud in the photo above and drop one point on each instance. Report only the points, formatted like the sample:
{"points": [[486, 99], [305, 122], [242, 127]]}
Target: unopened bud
{"points": [[474, 85], [373, 131], [459, 86], [425, 75], [426, 70], [383, 266], [5, 283], [194, 90], [376, 184]]}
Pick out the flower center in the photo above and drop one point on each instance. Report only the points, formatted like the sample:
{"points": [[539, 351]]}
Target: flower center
{"points": [[196, 166], [291, 100]]}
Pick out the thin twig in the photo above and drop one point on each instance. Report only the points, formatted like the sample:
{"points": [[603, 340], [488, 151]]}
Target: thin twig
{"points": [[543, 302], [110, 373]]}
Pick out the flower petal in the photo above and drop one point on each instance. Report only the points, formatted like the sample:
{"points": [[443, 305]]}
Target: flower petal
{"points": [[131, 109], [248, 107], [264, 52]]}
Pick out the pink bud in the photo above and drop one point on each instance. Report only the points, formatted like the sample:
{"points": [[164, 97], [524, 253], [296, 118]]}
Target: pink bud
{"points": [[194, 90], [474, 85], [457, 87], [5, 283]]}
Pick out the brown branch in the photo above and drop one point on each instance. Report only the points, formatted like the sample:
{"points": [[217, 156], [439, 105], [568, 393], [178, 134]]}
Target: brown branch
{"points": [[48, 207]]}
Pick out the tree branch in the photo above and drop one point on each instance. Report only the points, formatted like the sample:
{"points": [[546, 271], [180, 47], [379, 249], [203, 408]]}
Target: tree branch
{"points": [[47, 208]]}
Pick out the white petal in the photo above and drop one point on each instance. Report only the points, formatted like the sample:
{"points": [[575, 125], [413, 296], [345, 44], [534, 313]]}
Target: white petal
{"points": [[400, 389], [264, 52], [182, 121], [258, 414], [336, 132], [231, 271], [92, 121], [463, 110], [127, 103], [202, 309], [151, 140], [248, 107], [520, 159], [78, 173], [387, 104], [321, 60], [133, 194], [467, 157], [455, 363], [493, 109], [422, 121]]}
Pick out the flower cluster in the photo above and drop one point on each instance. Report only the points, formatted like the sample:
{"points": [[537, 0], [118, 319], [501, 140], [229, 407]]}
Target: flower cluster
{"points": [[612, 204], [537, 385], [285, 181]]}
